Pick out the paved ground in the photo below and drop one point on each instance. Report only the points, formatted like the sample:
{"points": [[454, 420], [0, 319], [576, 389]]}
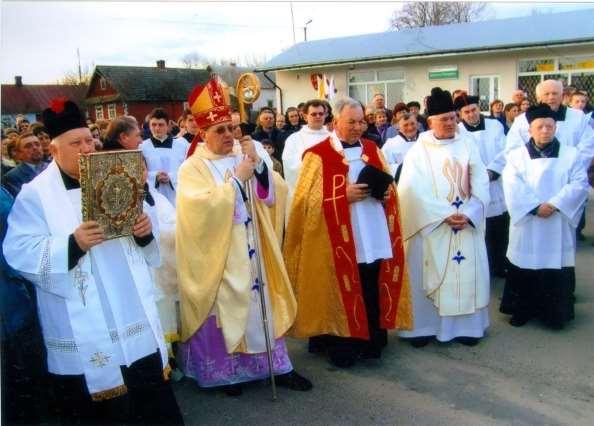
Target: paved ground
{"points": [[520, 376]]}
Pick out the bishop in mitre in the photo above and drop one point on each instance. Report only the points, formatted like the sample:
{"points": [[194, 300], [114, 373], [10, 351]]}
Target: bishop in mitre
{"points": [[444, 195], [217, 257]]}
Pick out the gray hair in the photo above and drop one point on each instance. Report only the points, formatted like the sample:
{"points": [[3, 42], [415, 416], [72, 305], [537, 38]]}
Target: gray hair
{"points": [[346, 102], [540, 86]]}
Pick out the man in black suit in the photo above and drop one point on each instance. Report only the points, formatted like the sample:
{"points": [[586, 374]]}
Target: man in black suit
{"points": [[30, 154]]}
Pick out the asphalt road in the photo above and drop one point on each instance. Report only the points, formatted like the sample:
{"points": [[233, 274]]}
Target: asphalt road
{"points": [[520, 376]]}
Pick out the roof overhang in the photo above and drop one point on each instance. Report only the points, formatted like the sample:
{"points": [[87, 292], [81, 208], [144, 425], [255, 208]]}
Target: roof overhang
{"points": [[102, 99], [443, 54]]}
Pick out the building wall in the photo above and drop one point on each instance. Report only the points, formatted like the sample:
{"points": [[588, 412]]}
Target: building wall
{"points": [[296, 85]]}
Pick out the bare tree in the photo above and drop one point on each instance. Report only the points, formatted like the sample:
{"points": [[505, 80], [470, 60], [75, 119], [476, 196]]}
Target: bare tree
{"points": [[74, 79], [195, 60], [424, 13]]}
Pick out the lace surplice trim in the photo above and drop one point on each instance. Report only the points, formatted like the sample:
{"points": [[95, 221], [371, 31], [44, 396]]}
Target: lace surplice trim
{"points": [[45, 267], [61, 345], [70, 346]]}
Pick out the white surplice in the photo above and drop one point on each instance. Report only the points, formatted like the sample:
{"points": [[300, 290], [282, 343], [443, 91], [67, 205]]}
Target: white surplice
{"points": [[102, 313], [395, 150], [534, 242], [295, 145], [491, 145], [573, 131], [368, 219], [162, 216], [160, 159], [448, 270]]}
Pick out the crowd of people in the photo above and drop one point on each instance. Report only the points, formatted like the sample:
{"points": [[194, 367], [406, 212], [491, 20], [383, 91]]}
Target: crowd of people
{"points": [[332, 224]]}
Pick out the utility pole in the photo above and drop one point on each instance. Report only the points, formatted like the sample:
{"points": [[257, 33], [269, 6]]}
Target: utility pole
{"points": [[305, 29], [79, 69], [293, 22]]}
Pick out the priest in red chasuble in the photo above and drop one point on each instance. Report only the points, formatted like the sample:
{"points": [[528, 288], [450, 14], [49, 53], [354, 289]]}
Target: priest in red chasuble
{"points": [[343, 246]]}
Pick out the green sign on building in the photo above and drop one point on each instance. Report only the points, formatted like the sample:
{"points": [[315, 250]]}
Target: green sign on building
{"points": [[443, 73]]}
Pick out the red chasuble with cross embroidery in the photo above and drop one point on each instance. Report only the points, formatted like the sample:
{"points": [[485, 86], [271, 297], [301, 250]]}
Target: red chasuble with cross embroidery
{"points": [[321, 256]]}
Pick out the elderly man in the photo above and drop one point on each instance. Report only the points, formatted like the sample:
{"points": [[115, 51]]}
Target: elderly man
{"points": [[309, 135], [30, 154], [343, 248], [105, 349], [395, 148], [164, 154], [218, 255], [444, 195], [518, 96], [545, 186], [571, 124], [489, 138]]}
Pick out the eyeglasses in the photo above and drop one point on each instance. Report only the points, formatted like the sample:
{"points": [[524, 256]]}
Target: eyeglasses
{"points": [[317, 114], [221, 130]]}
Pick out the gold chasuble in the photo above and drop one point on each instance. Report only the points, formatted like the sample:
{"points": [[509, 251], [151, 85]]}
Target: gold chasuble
{"points": [[213, 261], [320, 251]]}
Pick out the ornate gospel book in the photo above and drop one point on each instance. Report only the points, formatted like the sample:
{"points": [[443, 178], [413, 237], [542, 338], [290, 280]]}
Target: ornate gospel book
{"points": [[112, 190]]}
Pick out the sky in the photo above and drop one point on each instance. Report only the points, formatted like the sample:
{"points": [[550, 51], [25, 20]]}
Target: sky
{"points": [[39, 39]]}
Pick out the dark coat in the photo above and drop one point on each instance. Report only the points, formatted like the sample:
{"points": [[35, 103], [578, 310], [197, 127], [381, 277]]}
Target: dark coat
{"points": [[17, 177]]}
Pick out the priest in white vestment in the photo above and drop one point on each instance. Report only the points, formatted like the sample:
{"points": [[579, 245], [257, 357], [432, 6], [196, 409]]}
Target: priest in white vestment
{"points": [[297, 143], [396, 148], [95, 297], [572, 126], [489, 139], [164, 154], [545, 187], [444, 195]]}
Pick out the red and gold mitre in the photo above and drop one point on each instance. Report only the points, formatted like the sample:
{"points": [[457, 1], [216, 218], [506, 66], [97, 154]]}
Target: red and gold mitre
{"points": [[210, 104]]}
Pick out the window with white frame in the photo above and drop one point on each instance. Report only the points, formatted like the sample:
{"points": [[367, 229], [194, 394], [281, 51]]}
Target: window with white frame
{"points": [[111, 111], [577, 71], [102, 83], [486, 87], [98, 112], [363, 85]]}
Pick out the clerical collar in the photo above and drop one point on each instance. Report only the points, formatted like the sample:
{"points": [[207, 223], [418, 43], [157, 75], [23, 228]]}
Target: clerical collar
{"points": [[69, 182], [549, 151], [348, 145], [409, 139], [166, 143], [560, 113], [478, 127]]}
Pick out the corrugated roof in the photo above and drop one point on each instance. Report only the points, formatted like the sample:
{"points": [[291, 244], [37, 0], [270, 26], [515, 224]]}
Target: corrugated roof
{"points": [[146, 84], [34, 98], [542, 29]]}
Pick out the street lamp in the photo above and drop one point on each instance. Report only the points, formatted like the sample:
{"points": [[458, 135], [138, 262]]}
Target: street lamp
{"points": [[305, 29]]}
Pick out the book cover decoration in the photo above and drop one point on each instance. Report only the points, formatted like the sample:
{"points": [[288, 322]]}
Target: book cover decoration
{"points": [[112, 190]]}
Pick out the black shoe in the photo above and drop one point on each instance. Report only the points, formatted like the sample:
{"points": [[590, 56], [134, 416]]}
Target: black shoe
{"points": [[316, 344], [518, 320], [342, 361], [467, 341], [233, 390], [555, 325], [419, 342], [371, 353], [294, 381]]}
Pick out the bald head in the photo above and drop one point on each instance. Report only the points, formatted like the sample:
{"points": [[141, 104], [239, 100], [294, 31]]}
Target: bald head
{"points": [[550, 92], [518, 96]]}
